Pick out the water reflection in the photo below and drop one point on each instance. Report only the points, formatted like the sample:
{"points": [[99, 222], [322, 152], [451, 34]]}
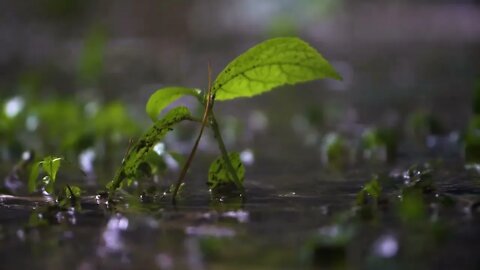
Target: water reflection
{"points": [[386, 246], [112, 235]]}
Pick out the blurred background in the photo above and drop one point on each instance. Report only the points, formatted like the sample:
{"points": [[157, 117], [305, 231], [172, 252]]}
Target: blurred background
{"points": [[75, 71]]}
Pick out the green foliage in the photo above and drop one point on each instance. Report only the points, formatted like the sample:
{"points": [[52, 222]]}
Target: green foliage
{"points": [[112, 122], [159, 100], [335, 150], [219, 174], [140, 149], [32, 179], [372, 190], [65, 125], [418, 178], [379, 144], [476, 99], [91, 62], [412, 208], [73, 191], [420, 124], [50, 166], [71, 197], [472, 141], [53, 126], [270, 64]]}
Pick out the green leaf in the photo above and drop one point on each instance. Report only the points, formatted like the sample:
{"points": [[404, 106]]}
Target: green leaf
{"points": [[113, 119], [32, 179], [164, 97], [372, 189], [71, 197], [91, 63], [51, 165], [73, 191], [140, 149], [412, 208], [270, 64], [218, 173]]}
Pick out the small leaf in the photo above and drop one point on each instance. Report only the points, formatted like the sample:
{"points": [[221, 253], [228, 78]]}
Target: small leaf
{"points": [[71, 197], [32, 179], [141, 148], [73, 191], [164, 97], [371, 190], [270, 64], [218, 173], [48, 184], [51, 165]]}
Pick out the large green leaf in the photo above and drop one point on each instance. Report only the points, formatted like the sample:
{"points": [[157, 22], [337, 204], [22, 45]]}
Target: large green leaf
{"points": [[219, 174], [139, 150], [164, 97], [270, 64]]}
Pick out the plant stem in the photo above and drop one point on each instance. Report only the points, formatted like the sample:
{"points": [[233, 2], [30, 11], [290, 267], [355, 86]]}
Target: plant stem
{"points": [[208, 107], [184, 171], [223, 150]]}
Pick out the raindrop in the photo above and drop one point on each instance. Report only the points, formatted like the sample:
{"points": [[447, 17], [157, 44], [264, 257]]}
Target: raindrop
{"points": [[172, 163], [86, 159], [31, 123], [386, 246], [247, 157], [257, 121], [91, 108], [159, 148], [14, 106], [240, 215]]}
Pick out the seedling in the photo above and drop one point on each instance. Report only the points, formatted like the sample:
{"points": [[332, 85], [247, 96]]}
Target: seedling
{"points": [[50, 166], [268, 65]]}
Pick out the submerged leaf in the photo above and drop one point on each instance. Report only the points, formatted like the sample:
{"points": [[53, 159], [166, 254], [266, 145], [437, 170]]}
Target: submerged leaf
{"points": [[138, 152], [270, 64], [219, 174], [164, 97]]}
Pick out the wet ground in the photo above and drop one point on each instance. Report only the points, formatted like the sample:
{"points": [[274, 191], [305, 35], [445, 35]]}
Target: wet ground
{"points": [[297, 215], [397, 59]]}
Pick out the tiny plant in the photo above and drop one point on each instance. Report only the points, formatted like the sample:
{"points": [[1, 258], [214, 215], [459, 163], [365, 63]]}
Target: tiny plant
{"points": [[268, 65], [50, 166], [372, 190]]}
